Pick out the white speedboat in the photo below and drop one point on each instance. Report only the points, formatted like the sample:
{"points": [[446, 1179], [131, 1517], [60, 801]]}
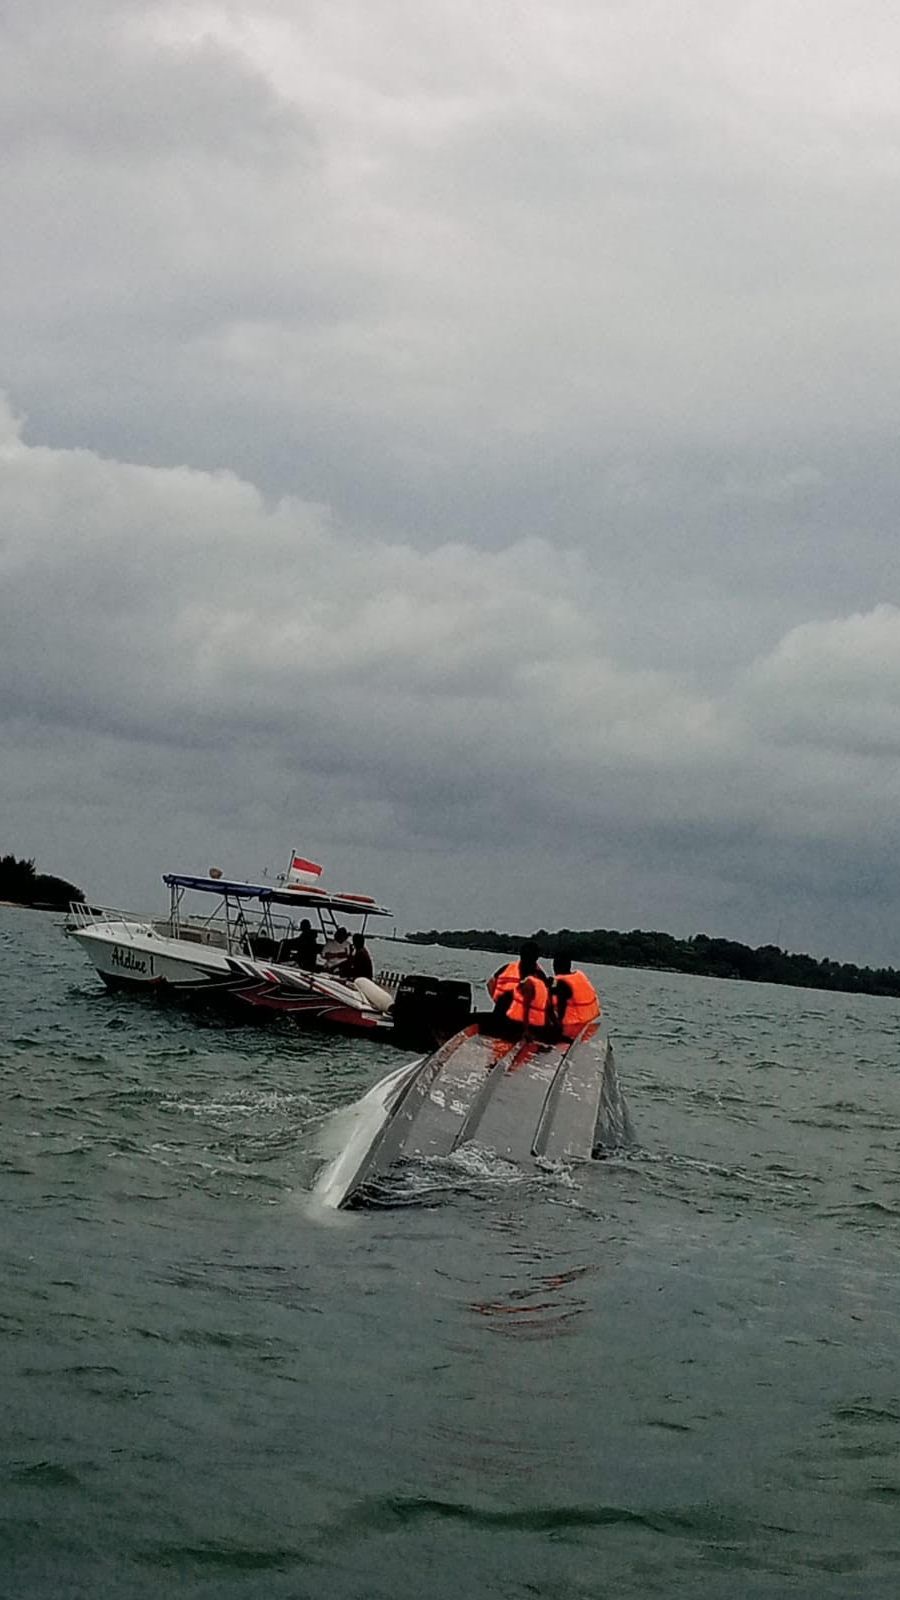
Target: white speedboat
{"points": [[243, 953]]}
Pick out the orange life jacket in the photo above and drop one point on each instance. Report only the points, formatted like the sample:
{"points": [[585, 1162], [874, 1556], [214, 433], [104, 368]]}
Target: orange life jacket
{"points": [[503, 981], [537, 1010], [583, 1006]]}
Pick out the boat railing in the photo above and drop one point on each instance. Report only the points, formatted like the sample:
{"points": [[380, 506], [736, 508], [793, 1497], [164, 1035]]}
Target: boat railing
{"points": [[211, 931], [84, 915], [237, 934], [128, 925]]}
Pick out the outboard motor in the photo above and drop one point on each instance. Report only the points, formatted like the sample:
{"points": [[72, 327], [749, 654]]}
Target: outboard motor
{"points": [[428, 1010]]}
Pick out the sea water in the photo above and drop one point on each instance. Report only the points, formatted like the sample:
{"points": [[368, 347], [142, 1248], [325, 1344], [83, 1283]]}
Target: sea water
{"points": [[670, 1373]]}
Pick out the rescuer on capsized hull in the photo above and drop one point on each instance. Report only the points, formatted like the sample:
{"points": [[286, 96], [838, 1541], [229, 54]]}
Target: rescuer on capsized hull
{"points": [[521, 992], [573, 999]]}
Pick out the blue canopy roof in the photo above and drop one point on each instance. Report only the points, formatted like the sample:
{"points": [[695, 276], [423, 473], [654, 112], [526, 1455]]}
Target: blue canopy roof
{"points": [[301, 897], [240, 891]]}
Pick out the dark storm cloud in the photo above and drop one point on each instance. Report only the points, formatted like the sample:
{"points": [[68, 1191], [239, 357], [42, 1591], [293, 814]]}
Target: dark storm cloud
{"points": [[449, 698], [551, 359]]}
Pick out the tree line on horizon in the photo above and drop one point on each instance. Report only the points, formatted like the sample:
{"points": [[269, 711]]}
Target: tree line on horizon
{"points": [[25, 886], [699, 955]]}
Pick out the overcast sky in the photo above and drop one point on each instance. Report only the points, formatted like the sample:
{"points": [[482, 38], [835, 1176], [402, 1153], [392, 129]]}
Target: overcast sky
{"points": [[459, 442]]}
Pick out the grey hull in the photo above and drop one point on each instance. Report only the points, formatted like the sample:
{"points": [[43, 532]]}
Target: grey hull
{"points": [[522, 1100]]}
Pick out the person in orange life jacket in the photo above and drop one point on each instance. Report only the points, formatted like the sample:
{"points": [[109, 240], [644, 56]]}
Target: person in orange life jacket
{"points": [[520, 990], [574, 1000]]}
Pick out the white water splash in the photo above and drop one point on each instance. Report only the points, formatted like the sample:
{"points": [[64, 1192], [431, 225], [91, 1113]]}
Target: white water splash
{"points": [[482, 1162], [241, 1103], [346, 1135]]}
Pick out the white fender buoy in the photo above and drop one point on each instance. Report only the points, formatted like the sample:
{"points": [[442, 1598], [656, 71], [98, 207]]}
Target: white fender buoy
{"points": [[373, 994]]}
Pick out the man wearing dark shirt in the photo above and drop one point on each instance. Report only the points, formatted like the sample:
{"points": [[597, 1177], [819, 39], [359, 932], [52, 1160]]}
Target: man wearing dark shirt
{"points": [[359, 964], [306, 946]]}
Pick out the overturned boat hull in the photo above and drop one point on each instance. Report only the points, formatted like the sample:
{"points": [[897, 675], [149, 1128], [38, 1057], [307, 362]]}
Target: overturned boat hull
{"points": [[523, 1100]]}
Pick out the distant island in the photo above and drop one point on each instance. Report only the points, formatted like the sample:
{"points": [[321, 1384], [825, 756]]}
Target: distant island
{"points": [[702, 956], [21, 884]]}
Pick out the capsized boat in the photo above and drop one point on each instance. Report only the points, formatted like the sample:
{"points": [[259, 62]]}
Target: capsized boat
{"points": [[243, 952], [522, 1100]]}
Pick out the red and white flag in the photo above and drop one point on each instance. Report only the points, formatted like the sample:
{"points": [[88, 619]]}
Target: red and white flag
{"points": [[303, 871]]}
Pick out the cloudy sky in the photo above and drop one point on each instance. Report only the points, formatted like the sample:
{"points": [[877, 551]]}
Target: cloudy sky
{"points": [[460, 442]]}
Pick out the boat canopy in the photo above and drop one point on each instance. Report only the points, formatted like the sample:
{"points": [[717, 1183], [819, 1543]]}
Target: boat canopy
{"points": [[304, 896]]}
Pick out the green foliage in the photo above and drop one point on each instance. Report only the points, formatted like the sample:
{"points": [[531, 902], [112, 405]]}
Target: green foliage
{"points": [[20, 883], [702, 956]]}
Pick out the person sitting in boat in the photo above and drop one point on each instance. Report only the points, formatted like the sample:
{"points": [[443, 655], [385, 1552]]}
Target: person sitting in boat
{"points": [[359, 962], [336, 951], [306, 946], [504, 980], [573, 1000], [521, 991]]}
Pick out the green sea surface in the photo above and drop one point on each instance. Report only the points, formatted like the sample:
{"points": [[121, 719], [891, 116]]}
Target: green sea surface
{"points": [[675, 1372]]}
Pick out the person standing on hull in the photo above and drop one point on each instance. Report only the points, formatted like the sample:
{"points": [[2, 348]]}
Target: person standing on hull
{"points": [[573, 1000], [521, 993]]}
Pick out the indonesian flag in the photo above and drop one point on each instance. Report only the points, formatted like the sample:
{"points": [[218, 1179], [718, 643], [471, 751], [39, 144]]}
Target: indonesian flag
{"points": [[303, 871]]}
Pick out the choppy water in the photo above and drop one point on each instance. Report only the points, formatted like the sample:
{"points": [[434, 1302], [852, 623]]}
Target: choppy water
{"points": [[672, 1374]]}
